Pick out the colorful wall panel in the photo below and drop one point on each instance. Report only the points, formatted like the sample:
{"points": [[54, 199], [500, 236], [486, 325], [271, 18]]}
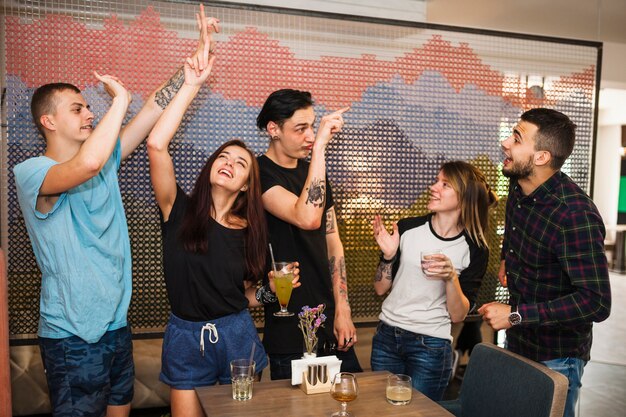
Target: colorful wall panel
{"points": [[419, 95]]}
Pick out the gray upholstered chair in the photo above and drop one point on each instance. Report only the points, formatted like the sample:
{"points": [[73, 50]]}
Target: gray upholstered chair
{"points": [[499, 383]]}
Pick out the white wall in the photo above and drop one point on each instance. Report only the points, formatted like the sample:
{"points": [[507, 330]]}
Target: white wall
{"points": [[412, 10], [607, 173]]}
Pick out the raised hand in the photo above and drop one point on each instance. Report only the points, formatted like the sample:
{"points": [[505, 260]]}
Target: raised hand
{"points": [[113, 86], [388, 242], [330, 125], [201, 59], [193, 76]]}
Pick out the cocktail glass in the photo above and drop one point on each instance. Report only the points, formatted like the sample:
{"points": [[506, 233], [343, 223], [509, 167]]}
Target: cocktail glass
{"points": [[344, 389], [283, 277]]}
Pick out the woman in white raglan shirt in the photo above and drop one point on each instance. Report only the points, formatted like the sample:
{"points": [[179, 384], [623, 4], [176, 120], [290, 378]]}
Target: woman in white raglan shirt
{"points": [[413, 336]]}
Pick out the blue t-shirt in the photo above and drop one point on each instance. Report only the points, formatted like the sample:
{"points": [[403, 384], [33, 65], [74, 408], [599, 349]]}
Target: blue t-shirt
{"points": [[83, 251]]}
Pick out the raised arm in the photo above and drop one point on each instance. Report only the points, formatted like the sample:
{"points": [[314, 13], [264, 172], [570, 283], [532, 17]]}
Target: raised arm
{"points": [[344, 330], [305, 210], [96, 150], [138, 128], [161, 166], [388, 244]]}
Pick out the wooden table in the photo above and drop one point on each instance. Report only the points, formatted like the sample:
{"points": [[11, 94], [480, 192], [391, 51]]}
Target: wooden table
{"points": [[280, 398]]}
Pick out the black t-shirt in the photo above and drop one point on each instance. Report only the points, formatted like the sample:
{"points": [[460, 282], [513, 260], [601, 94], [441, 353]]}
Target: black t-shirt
{"points": [[203, 286], [308, 247]]}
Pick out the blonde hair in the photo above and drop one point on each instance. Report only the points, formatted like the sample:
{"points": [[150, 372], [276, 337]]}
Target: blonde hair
{"points": [[475, 198]]}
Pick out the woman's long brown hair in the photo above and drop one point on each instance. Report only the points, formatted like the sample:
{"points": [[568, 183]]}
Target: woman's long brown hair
{"points": [[247, 205], [475, 198]]}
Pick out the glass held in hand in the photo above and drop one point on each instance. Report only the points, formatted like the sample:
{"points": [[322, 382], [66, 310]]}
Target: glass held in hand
{"points": [[283, 277], [429, 257], [344, 389], [399, 389]]}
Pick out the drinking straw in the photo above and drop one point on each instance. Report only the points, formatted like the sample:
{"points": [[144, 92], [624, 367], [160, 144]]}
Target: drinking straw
{"points": [[272, 256], [251, 359]]}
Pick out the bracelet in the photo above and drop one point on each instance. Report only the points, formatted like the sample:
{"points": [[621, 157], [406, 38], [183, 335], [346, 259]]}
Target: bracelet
{"points": [[388, 261], [264, 295]]}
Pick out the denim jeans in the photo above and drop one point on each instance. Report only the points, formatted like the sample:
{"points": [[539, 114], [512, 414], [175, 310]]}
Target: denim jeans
{"points": [[280, 364], [427, 360], [573, 369]]}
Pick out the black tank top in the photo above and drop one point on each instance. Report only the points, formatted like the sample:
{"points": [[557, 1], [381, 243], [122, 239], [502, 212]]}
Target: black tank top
{"points": [[203, 286]]}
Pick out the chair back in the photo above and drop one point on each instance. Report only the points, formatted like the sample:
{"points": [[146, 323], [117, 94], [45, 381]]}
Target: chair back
{"points": [[501, 383]]}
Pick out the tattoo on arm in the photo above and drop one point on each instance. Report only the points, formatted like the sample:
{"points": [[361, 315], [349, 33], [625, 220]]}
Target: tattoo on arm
{"points": [[343, 279], [169, 90], [331, 267], [317, 193], [383, 271], [330, 221]]}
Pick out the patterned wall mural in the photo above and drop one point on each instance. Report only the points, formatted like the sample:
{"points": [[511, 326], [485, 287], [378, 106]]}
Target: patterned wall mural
{"points": [[419, 95]]}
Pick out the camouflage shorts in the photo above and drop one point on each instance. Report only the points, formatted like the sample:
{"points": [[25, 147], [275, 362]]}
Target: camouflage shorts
{"points": [[84, 378]]}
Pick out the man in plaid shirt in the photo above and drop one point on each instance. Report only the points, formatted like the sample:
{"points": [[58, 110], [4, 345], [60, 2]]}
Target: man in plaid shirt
{"points": [[553, 256]]}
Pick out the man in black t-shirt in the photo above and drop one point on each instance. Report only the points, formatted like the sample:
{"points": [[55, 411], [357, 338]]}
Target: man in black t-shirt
{"points": [[302, 226]]}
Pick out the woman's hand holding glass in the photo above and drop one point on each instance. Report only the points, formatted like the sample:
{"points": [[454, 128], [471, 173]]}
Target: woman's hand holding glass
{"points": [[388, 242], [296, 277], [283, 279], [439, 267]]}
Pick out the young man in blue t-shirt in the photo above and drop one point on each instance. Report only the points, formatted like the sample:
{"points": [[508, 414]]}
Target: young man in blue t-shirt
{"points": [[72, 207]]}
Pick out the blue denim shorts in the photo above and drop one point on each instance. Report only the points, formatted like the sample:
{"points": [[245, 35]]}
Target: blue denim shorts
{"points": [[84, 378], [197, 354]]}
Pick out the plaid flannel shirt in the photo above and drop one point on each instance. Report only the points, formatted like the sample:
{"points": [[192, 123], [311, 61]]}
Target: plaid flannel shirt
{"points": [[556, 268]]}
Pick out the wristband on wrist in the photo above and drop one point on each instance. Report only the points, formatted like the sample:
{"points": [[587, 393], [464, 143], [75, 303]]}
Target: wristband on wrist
{"points": [[264, 295], [388, 261]]}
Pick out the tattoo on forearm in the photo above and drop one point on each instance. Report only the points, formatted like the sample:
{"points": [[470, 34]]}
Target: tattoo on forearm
{"points": [[317, 193], [343, 279], [331, 267], [330, 221], [383, 271], [169, 90]]}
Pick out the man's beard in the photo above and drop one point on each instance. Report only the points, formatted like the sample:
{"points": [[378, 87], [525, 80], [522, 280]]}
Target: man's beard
{"points": [[519, 171]]}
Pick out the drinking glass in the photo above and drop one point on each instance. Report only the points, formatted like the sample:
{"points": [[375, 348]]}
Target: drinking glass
{"points": [[427, 259], [344, 389], [283, 277], [399, 389], [242, 378]]}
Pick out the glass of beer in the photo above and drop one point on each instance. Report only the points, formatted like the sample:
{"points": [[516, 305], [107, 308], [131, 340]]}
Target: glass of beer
{"points": [[283, 277], [241, 378], [344, 389], [399, 389]]}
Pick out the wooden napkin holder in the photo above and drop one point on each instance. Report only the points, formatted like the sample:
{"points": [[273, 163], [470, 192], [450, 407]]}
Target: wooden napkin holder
{"points": [[318, 388]]}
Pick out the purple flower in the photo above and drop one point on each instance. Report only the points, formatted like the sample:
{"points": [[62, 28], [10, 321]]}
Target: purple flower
{"points": [[311, 319]]}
